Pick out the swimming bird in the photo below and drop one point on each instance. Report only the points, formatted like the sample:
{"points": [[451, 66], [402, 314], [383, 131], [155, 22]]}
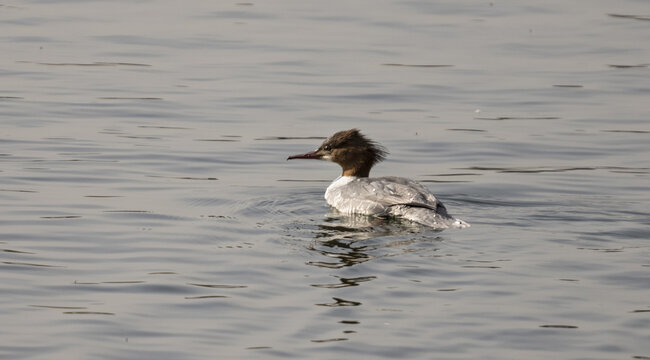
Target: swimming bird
{"points": [[354, 192]]}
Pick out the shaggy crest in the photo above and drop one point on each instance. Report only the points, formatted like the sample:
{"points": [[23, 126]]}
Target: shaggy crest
{"points": [[374, 152]]}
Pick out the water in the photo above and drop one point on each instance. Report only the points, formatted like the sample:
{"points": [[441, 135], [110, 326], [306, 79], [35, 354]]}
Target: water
{"points": [[148, 211]]}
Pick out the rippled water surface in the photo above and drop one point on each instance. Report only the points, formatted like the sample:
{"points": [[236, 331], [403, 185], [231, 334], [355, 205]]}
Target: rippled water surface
{"points": [[148, 211]]}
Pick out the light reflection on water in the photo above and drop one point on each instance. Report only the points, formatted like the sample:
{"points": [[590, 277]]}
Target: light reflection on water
{"points": [[148, 211]]}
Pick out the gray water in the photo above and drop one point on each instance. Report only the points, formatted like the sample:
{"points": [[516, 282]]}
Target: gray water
{"points": [[148, 211]]}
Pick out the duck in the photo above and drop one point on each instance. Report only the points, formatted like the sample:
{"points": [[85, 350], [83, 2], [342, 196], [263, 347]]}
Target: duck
{"points": [[355, 192]]}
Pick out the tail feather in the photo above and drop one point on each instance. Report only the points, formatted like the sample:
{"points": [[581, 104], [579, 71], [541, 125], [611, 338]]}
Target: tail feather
{"points": [[436, 218]]}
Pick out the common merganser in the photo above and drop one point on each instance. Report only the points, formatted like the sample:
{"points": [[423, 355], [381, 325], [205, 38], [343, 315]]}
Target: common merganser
{"points": [[355, 193]]}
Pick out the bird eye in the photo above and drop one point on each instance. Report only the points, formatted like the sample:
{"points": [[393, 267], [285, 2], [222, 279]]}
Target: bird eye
{"points": [[327, 148]]}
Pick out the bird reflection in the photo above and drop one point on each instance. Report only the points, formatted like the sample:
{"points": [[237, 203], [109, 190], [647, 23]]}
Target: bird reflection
{"points": [[345, 282], [340, 302], [346, 241]]}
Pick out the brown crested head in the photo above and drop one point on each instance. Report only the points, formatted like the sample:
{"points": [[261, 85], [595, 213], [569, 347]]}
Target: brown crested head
{"points": [[354, 152]]}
